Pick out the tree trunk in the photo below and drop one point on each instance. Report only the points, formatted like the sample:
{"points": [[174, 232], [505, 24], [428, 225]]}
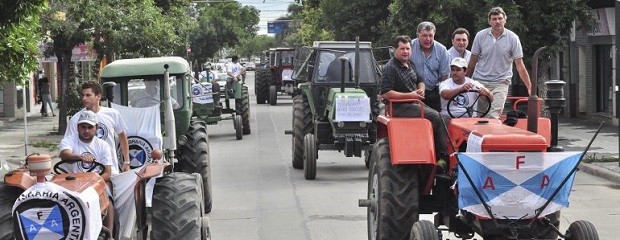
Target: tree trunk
{"points": [[64, 63]]}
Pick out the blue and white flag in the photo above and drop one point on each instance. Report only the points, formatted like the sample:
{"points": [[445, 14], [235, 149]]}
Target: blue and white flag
{"points": [[515, 184]]}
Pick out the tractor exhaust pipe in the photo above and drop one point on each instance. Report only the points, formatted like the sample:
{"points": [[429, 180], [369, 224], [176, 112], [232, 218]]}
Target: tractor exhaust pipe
{"points": [[532, 100], [170, 142], [344, 63], [357, 61]]}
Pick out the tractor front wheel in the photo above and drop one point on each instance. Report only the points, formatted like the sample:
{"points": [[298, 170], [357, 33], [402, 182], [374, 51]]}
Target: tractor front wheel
{"points": [[237, 122], [273, 95], [310, 156], [195, 157], [581, 230], [423, 230], [177, 207], [393, 194], [301, 125]]}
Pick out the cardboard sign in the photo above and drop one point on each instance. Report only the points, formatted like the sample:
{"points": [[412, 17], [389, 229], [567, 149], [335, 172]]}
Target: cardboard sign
{"points": [[352, 109]]}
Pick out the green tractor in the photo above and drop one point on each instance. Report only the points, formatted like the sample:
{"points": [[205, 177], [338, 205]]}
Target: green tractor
{"points": [[136, 83], [336, 105], [276, 75], [212, 103]]}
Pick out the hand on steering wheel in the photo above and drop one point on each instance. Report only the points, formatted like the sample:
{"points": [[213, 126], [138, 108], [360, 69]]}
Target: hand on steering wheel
{"points": [[470, 107], [88, 166]]}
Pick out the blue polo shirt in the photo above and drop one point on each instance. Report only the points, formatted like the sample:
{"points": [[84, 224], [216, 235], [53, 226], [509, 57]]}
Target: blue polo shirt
{"points": [[430, 68]]}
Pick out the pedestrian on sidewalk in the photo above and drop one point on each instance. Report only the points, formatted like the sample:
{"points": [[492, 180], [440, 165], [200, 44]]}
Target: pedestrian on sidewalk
{"points": [[46, 97]]}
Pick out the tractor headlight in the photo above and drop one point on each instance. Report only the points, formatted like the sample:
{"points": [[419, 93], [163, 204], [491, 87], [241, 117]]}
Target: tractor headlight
{"points": [[340, 124], [362, 124]]}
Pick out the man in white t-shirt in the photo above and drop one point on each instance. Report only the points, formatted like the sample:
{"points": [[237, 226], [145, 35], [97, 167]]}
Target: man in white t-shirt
{"points": [[110, 124], [208, 73], [86, 147], [455, 86]]}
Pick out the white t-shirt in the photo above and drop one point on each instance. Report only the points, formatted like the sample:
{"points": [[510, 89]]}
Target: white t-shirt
{"points": [[460, 100], [97, 147], [234, 68], [110, 124], [212, 75]]}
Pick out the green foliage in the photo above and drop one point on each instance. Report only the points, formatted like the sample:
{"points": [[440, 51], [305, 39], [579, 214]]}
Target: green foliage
{"points": [[44, 143], [222, 25], [254, 46], [313, 27], [73, 98], [348, 19], [19, 35]]}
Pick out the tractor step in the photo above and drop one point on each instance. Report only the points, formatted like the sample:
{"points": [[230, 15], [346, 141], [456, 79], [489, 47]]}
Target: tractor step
{"points": [[288, 132]]}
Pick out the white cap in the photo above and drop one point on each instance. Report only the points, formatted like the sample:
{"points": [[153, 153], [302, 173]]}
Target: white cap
{"points": [[459, 62], [89, 117]]}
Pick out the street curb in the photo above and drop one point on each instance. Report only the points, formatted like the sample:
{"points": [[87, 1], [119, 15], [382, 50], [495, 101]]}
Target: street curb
{"points": [[600, 172]]}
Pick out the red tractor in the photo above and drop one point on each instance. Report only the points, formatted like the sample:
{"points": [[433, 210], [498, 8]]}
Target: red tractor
{"points": [[275, 76], [501, 181]]}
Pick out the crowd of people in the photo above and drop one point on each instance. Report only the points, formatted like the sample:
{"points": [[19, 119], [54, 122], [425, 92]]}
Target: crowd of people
{"points": [[425, 70]]}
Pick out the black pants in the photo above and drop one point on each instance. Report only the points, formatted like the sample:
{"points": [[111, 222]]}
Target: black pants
{"points": [[432, 99], [439, 130]]}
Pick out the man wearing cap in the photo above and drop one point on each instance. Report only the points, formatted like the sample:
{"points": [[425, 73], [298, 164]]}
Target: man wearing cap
{"points": [[110, 125], [456, 86], [86, 147]]}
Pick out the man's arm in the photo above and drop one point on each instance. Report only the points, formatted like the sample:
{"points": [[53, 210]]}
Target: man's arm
{"points": [[122, 138], [523, 74], [67, 154], [472, 64]]}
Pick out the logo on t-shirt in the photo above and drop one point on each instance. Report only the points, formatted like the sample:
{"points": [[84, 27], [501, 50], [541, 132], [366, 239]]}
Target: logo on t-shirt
{"points": [[102, 131]]}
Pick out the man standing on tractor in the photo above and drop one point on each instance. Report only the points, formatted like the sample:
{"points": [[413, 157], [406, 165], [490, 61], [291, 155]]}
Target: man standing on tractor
{"points": [[110, 125], [400, 81], [85, 147]]}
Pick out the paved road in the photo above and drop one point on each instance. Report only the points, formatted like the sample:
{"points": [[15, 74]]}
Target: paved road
{"points": [[258, 195]]}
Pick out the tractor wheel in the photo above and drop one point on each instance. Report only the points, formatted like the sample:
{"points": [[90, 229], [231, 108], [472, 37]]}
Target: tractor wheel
{"points": [[195, 157], [393, 193], [237, 122], [8, 195], [423, 230], [242, 108], [273, 95], [581, 230], [177, 208], [310, 156], [301, 125], [261, 85]]}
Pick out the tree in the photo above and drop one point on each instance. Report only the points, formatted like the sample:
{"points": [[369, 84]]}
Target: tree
{"points": [[19, 37], [348, 19], [254, 46], [222, 25]]}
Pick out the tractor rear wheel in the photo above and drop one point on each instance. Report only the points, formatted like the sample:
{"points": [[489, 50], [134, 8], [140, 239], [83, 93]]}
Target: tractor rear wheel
{"points": [[195, 157], [393, 193], [423, 230], [310, 156], [242, 108], [301, 125], [8, 195], [177, 207], [581, 230], [261, 85], [237, 122], [273, 95]]}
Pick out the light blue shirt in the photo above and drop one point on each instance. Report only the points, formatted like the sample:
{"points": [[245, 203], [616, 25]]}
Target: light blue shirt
{"points": [[430, 68]]}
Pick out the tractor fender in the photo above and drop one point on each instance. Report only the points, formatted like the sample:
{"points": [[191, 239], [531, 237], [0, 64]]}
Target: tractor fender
{"points": [[20, 178], [411, 139], [152, 170]]}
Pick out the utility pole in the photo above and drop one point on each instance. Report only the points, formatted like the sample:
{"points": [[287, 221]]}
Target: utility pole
{"points": [[617, 86]]}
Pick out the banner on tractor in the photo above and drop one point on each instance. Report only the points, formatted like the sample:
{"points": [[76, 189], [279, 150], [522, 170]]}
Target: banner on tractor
{"points": [[515, 184]]}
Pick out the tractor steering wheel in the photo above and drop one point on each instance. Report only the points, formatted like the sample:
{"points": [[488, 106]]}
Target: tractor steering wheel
{"points": [[89, 167], [470, 108]]}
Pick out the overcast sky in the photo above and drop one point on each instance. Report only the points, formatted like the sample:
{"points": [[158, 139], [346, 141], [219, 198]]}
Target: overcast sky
{"points": [[269, 10]]}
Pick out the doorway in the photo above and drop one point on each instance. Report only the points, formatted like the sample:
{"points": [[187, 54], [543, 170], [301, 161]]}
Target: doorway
{"points": [[604, 72]]}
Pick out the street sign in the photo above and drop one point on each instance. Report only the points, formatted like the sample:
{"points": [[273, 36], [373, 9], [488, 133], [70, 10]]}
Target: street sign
{"points": [[278, 26]]}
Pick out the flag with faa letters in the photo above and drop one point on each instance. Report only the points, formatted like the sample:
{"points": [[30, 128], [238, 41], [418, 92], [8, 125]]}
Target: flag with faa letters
{"points": [[515, 184]]}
